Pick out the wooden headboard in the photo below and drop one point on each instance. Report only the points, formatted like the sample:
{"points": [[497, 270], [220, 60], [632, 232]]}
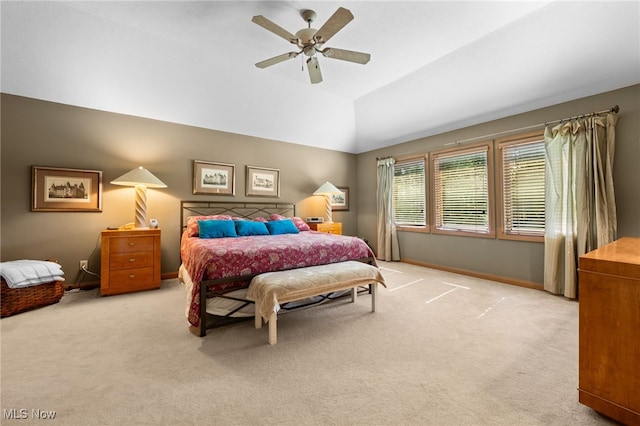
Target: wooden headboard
{"points": [[248, 210]]}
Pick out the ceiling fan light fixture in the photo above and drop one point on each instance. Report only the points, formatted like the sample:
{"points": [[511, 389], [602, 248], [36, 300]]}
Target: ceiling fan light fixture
{"points": [[309, 50]]}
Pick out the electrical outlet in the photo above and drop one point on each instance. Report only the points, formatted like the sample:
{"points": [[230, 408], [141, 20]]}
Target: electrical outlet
{"points": [[84, 264]]}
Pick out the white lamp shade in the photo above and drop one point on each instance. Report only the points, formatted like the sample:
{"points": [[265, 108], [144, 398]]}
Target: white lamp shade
{"points": [[327, 188], [139, 176]]}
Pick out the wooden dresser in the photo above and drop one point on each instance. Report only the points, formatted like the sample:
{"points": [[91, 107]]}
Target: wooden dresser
{"points": [[331, 228], [130, 261], [609, 330]]}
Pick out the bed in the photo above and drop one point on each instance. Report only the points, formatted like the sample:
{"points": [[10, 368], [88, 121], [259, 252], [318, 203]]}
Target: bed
{"points": [[216, 270]]}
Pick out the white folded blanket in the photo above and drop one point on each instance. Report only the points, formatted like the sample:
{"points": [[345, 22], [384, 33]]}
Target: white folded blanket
{"points": [[25, 273]]}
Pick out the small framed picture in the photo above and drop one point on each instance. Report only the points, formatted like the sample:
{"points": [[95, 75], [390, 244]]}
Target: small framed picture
{"points": [[213, 178], [56, 189], [263, 182], [340, 201]]}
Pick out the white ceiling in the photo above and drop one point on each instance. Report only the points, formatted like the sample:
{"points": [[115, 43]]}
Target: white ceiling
{"points": [[435, 66]]}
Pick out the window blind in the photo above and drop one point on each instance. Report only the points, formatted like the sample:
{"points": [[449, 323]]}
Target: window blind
{"points": [[523, 167], [461, 196], [409, 193]]}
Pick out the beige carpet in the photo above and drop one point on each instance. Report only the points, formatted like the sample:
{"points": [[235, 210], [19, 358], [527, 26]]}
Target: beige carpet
{"points": [[442, 349]]}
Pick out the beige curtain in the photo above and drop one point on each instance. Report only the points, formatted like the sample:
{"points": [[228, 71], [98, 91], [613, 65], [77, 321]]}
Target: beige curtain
{"points": [[388, 247], [580, 207]]}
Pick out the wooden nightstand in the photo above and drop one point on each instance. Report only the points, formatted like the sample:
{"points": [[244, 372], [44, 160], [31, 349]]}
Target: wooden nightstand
{"points": [[331, 228], [130, 261]]}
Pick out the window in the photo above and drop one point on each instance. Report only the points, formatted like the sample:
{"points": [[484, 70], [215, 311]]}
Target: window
{"points": [[409, 194], [463, 191], [521, 187]]}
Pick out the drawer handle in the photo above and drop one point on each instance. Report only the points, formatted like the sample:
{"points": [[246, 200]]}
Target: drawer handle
{"points": [[132, 275], [133, 259], [132, 243]]}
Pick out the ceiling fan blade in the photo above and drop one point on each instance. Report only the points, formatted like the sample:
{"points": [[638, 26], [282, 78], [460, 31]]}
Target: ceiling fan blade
{"points": [[314, 70], [277, 59], [346, 55], [274, 28], [335, 23]]}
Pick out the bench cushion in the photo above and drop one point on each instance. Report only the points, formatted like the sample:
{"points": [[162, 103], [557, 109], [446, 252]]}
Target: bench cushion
{"points": [[272, 288]]}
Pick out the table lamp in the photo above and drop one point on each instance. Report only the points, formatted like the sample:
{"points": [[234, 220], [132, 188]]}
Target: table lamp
{"points": [[327, 189], [141, 179]]}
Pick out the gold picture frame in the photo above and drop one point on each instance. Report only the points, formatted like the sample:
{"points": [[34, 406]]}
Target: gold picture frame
{"points": [[214, 178], [56, 189], [262, 182]]}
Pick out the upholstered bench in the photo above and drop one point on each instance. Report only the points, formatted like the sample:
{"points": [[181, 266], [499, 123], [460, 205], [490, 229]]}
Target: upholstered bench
{"points": [[270, 289]]}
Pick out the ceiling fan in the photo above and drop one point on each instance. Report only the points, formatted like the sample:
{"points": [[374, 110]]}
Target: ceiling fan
{"points": [[310, 41]]}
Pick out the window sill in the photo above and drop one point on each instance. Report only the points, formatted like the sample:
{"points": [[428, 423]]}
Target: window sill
{"points": [[422, 229], [530, 238]]}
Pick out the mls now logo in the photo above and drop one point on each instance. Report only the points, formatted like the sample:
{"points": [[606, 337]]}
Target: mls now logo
{"points": [[23, 413], [15, 413]]}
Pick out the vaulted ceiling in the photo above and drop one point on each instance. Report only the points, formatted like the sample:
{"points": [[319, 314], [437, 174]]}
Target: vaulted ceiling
{"points": [[435, 65]]}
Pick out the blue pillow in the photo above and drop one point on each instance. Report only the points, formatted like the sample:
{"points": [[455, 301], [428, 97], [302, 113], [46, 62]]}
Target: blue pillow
{"points": [[246, 228], [282, 227], [216, 228]]}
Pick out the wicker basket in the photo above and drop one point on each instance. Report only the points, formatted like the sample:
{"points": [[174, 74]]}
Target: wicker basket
{"points": [[16, 300]]}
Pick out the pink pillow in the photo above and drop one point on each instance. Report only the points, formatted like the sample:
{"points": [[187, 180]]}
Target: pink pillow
{"points": [[192, 222], [300, 224], [260, 219]]}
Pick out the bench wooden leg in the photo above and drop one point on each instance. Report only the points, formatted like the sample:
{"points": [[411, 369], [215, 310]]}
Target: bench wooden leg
{"points": [[273, 329], [354, 294], [374, 288], [258, 318]]}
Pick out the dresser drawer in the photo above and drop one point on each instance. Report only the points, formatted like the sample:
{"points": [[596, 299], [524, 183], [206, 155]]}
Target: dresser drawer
{"points": [[130, 244], [130, 277], [131, 260]]}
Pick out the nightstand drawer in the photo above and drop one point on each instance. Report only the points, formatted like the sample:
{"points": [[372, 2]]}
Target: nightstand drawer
{"points": [[331, 228], [130, 277], [130, 244], [131, 260]]}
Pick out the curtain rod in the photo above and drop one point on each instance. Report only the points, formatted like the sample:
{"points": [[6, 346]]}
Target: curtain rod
{"points": [[615, 109]]}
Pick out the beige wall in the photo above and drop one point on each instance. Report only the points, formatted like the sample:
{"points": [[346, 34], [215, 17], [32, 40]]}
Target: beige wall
{"points": [[42, 133], [48, 134], [513, 260]]}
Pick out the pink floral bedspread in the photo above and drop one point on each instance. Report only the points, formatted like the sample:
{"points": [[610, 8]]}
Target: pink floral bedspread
{"points": [[208, 259]]}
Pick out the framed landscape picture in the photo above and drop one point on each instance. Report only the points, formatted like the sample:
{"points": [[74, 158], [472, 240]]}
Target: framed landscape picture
{"points": [[263, 182], [56, 189], [213, 178], [340, 201]]}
